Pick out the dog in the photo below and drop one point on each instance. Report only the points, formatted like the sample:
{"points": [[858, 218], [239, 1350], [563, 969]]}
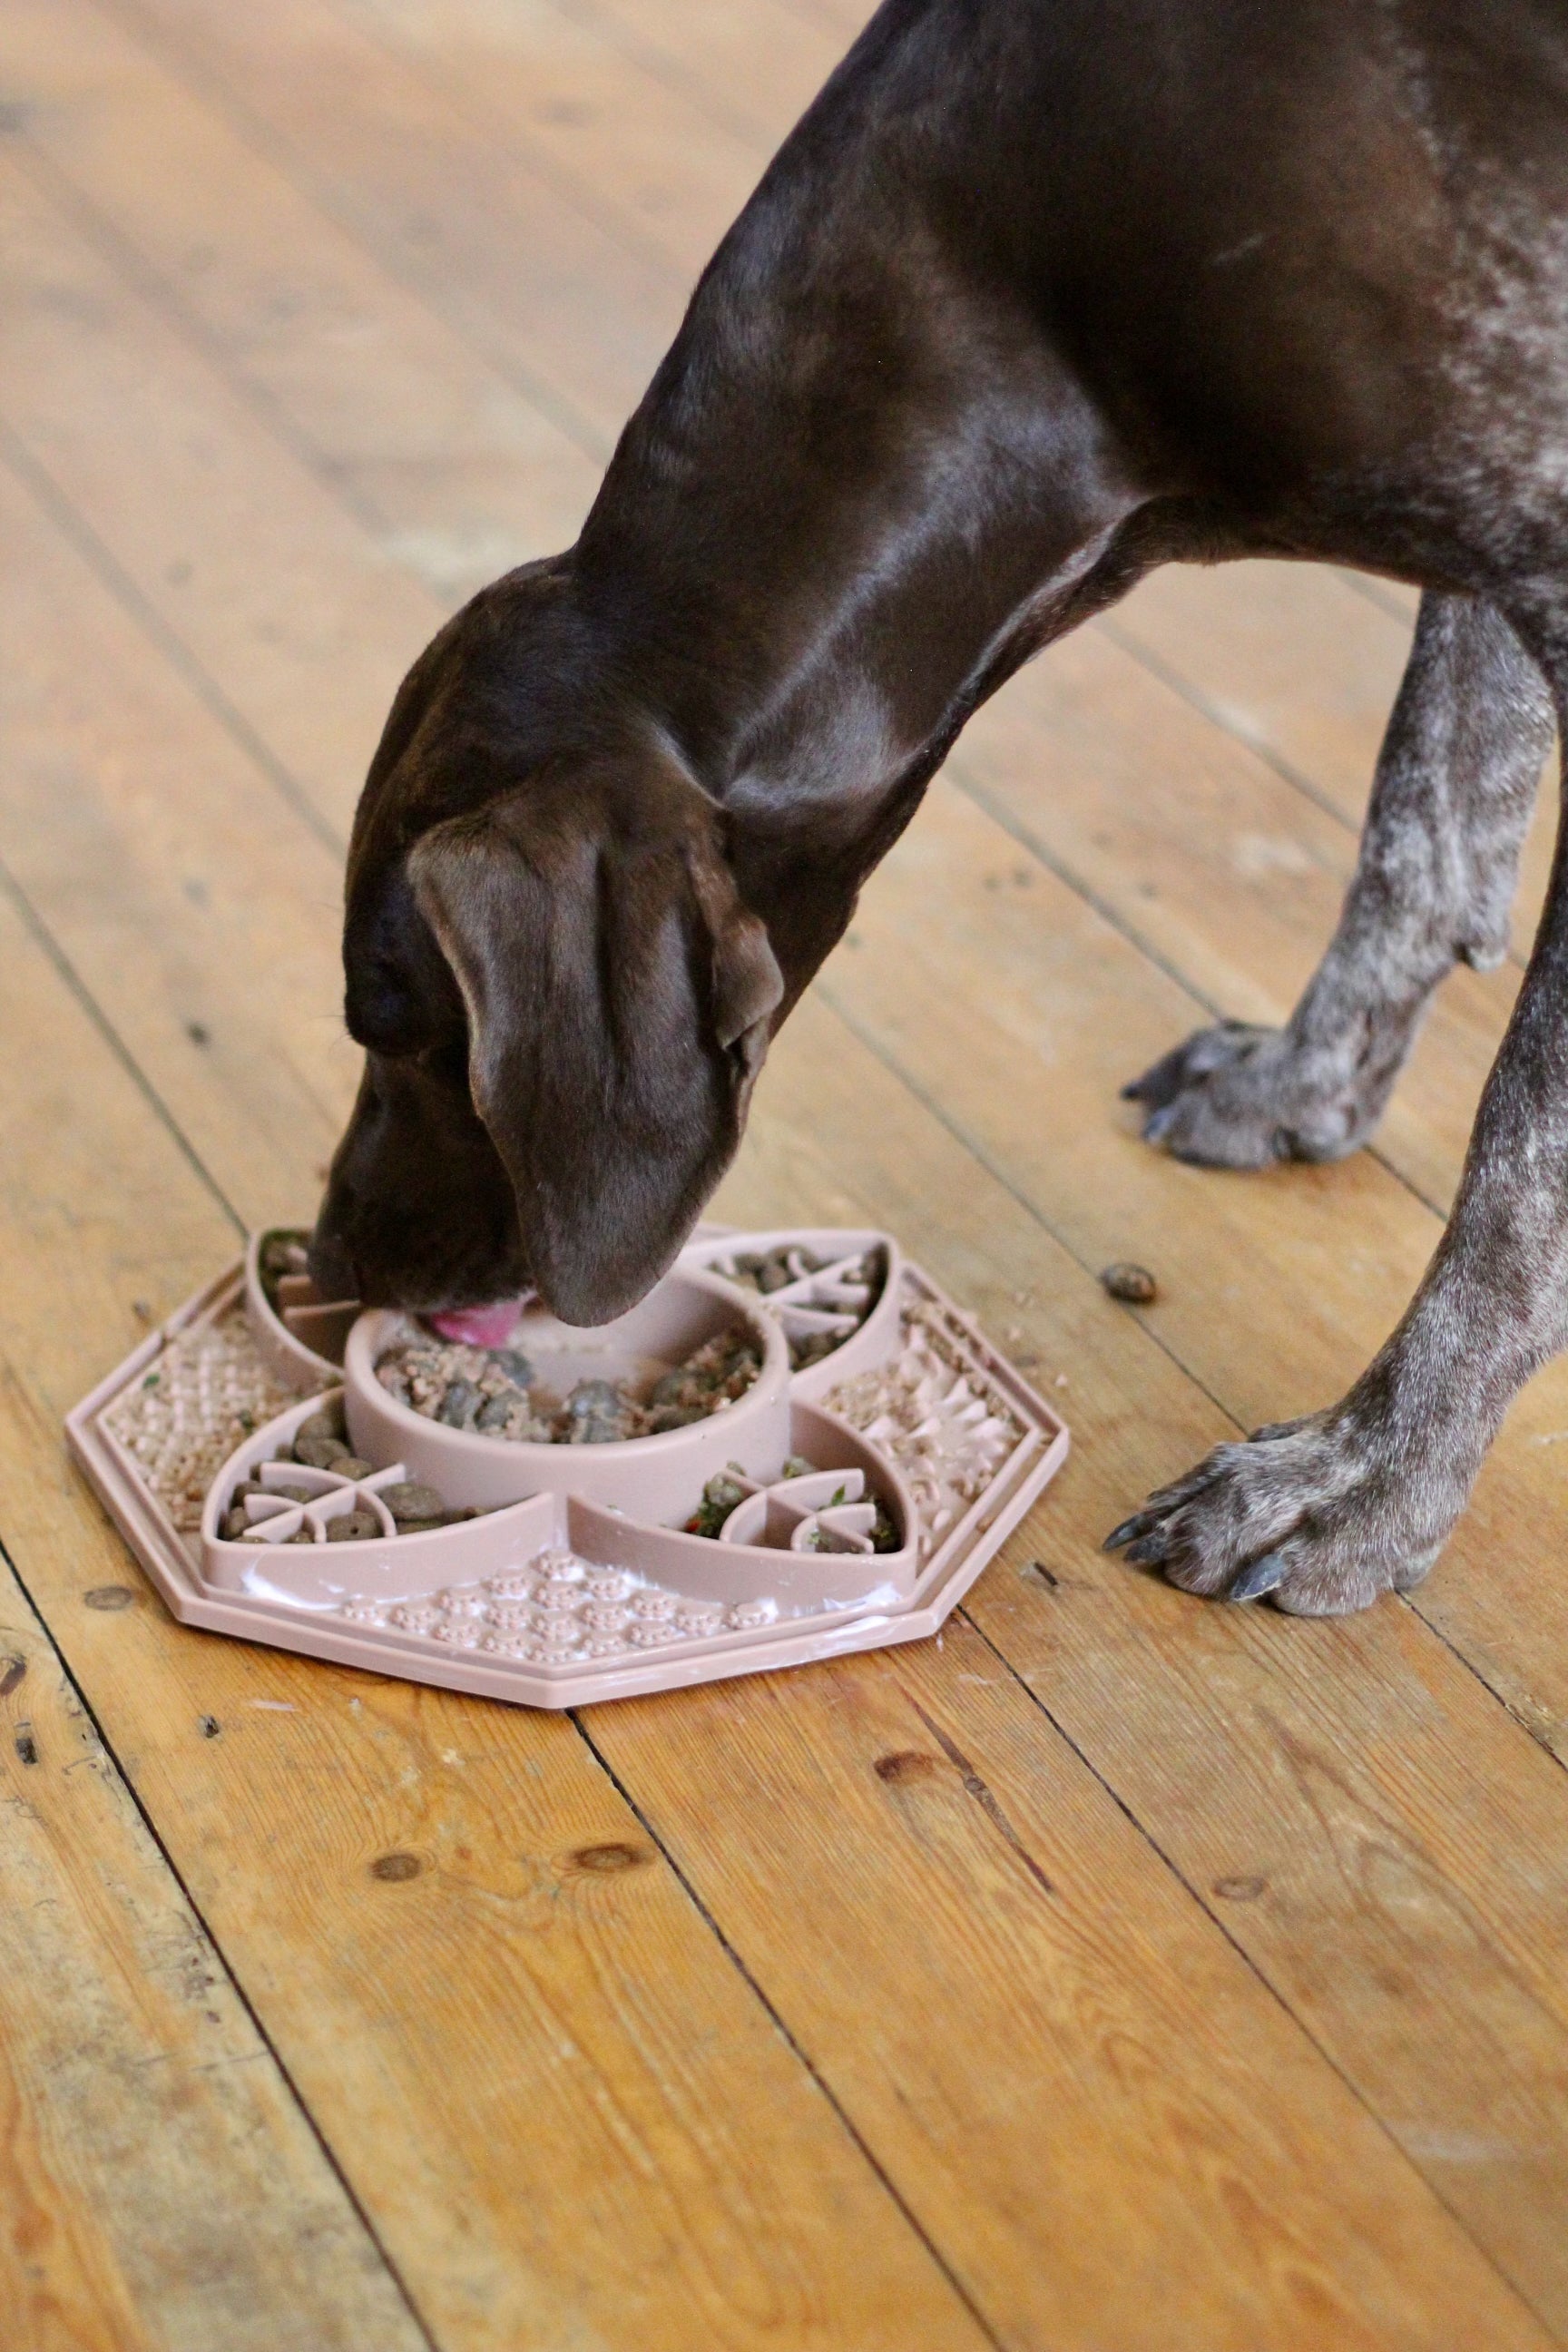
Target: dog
{"points": [[1038, 294]]}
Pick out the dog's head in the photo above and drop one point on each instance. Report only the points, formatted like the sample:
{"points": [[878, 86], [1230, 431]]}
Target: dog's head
{"points": [[564, 999]]}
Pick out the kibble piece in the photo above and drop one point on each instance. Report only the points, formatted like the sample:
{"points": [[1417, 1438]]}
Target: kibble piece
{"points": [[411, 1500], [1135, 1284], [493, 1412], [514, 1364], [327, 1424], [353, 1527], [598, 1413], [459, 1409], [235, 1525], [813, 1349], [674, 1416], [721, 1496], [319, 1452], [350, 1465]]}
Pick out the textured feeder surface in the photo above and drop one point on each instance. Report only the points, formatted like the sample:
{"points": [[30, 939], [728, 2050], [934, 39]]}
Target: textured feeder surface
{"points": [[903, 1479], [186, 1415], [938, 1414], [561, 1610]]}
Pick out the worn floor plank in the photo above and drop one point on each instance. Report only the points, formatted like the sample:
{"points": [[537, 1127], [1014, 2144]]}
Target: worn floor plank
{"points": [[314, 2021], [1363, 1819], [535, 2066], [140, 2111], [308, 309]]}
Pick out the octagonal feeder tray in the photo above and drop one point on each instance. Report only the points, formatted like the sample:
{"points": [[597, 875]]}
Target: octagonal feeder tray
{"points": [[563, 1573]]}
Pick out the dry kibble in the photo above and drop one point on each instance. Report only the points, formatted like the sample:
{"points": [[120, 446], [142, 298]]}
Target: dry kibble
{"points": [[353, 1527], [326, 1423], [1133, 1285], [321, 1453], [410, 1498]]}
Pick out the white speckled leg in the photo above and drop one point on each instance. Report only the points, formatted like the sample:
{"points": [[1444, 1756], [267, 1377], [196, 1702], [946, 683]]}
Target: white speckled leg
{"points": [[1456, 782]]}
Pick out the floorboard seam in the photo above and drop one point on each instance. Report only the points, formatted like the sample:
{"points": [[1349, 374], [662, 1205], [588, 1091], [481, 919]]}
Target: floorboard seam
{"points": [[220, 1955], [659, 66], [111, 575], [1028, 839], [1188, 691], [274, 149], [104, 235], [999, 1175], [1030, 1208], [1255, 1969], [511, 138], [787, 2036], [82, 996]]}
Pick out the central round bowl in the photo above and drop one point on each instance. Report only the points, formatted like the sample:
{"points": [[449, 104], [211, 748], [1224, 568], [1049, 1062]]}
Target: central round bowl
{"points": [[658, 1479]]}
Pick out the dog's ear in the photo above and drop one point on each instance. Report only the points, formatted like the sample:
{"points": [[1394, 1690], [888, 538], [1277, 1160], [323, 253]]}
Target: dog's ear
{"points": [[618, 997]]}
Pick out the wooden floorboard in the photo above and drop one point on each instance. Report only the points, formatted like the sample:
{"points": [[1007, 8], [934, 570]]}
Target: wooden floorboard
{"points": [[160, 2185], [1245, 2024], [538, 2079]]}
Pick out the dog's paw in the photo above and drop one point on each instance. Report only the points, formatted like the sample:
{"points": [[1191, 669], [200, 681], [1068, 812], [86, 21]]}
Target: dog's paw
{"points": [[1239, 1097], [1308, 1513]]}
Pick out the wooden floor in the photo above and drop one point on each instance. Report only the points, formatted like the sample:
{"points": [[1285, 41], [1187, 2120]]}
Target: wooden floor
{"points": [[1194, 1979]]}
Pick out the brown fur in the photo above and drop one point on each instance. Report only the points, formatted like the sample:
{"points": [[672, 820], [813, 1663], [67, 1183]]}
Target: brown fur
{"points": [[1040, 293]]}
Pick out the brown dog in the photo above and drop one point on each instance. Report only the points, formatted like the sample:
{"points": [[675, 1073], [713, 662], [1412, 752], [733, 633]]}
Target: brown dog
{"points": [[1040, 293]]}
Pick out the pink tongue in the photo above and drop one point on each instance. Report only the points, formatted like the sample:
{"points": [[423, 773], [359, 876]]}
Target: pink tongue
{"points": [[478, 1327]]}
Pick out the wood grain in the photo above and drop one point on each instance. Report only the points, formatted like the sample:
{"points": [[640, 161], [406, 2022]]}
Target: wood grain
{"points": [[280, 903], [554, 295], [1277, 1287], [536, 2066], [1363, 1819], [1300, 663], [159, 2185], [310, 306], [912, 1799], [334, 354]]}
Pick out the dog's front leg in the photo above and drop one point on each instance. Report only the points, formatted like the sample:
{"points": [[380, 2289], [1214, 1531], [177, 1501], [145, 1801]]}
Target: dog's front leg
{"points": [[1326, 1513], [1456, 782]]}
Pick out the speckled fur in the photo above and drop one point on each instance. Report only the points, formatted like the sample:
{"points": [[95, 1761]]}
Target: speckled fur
{"points": [[1456, 783], [1038, 294]]}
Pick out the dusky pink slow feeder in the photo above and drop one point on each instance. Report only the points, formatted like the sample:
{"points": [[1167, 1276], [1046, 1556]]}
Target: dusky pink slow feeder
{"points": [[880, 1454]]}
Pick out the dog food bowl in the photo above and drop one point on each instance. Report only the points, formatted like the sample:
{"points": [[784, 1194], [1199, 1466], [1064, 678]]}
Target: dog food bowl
{"points": [[828, 1297], [301, 1338], [844, 1506], [659, 1477]]}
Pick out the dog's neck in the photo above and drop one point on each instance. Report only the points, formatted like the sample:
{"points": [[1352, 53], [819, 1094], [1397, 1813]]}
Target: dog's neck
{"points": [[860, 491]]}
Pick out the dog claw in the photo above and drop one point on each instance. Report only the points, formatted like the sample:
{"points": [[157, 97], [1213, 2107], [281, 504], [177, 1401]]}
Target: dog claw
{"points": [[1151, 1549], [1125, 1532], [1160, 1123], [1262, 1577]]}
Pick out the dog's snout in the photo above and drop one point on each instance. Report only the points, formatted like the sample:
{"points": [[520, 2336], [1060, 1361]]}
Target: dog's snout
{"points": [[331, 1268]]}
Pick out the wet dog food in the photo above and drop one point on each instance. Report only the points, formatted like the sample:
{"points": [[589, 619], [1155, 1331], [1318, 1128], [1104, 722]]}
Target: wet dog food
{"points": [[497, 1393]]}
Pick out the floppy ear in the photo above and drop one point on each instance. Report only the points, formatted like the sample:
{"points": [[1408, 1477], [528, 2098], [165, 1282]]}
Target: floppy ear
{"points": [[747, 984], [617, 995]]}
